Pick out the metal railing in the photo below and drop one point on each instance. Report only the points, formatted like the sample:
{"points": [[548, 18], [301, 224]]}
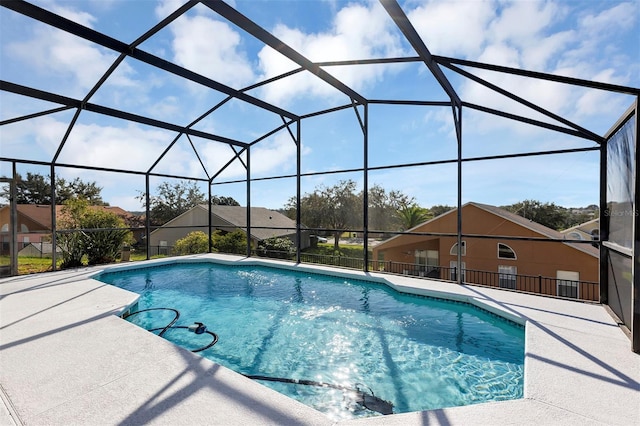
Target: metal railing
{"points": [[340, 261], [537, 284]]}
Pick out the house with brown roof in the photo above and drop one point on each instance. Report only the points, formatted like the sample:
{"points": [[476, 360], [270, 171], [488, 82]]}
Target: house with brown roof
{"points": [[34, 222], [589, 230], [525, 261], [265, 224]]}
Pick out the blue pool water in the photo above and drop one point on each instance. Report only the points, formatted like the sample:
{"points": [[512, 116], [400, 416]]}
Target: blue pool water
{"points": [[418, 353]]}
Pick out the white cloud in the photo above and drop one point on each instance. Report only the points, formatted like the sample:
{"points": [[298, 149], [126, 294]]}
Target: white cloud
{"points": [[61, 54], [129, 147], [453, 28], [274, 154], [358, 32], [522, 23], [216, 156], [540, 36], [211, 48], [36, 139], [167, 7], [82, 18], [590, 103], [271, 156], [619, 17], [68, 64], [542, 52]]}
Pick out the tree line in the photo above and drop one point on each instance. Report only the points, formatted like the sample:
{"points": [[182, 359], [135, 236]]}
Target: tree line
{"points": [[336, 208], [36, 189]]}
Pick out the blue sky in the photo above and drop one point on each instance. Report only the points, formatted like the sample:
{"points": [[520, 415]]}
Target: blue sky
{"points": [[593, 40]]}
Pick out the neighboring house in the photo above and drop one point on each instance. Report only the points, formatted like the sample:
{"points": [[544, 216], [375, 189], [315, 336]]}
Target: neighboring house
{"points": [[38, 250], [585, 231], [516, 264], [34, 223], [265, 224]]}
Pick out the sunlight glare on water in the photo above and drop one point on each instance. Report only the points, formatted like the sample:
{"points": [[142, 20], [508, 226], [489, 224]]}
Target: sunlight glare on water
{"points": [[417, 353]]}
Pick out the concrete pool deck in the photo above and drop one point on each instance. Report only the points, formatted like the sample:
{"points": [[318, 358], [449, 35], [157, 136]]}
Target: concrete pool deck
{"points": [[66, 358]]}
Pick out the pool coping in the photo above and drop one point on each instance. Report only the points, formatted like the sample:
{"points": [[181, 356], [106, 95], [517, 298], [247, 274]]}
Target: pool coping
{"points": [[67, 358]]}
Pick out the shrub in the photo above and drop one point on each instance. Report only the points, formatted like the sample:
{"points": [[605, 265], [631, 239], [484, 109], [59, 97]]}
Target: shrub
{"points": [[195, 242], [71, 242], [71, 248], [281, 248], [104, 236], [98, 234], [234, 242]]}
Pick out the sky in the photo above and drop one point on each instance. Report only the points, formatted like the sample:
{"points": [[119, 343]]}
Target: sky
{"points": [[591, 40]]}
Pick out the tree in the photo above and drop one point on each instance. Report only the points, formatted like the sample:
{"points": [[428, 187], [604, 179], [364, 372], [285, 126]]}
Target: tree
{"points": [[223, 201], [233, 242], [36, 189], [98, 234], [79, 189], [383, 207], [195, 242], [71, 241], [440, 209], [547, 214], [105, 233], [412, 215], [172, 200], [337, 208], [281, 248]]}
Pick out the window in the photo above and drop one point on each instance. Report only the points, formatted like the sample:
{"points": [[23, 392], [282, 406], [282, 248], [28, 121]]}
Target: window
{"points": [[454, 249], [507, 276], [427, 257], [505, 252], [454, 266], [568, 284], [574, 236], [162, 249], [428, 261]]}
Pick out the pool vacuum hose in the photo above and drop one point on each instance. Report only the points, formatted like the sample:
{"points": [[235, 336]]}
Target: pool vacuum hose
{"points": [[197, 327], [365, 399]]}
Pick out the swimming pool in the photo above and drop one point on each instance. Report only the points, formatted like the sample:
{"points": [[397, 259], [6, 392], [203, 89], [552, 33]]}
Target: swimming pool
{"points": [[416, 352]]}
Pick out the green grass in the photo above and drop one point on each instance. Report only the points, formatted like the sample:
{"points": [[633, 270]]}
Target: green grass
{"points": [[30, 265], [346, 250], [33, 265]]}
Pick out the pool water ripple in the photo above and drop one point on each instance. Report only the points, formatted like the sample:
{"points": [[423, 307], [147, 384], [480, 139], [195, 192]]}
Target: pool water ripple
{"points": [[419, 353]]}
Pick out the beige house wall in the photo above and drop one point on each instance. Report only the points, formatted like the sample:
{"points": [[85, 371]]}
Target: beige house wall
{"points": [[191, 221], [197, 220], [532, 257]]}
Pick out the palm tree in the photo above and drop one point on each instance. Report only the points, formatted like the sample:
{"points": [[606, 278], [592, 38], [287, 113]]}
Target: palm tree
{"points": [[412, 215]]}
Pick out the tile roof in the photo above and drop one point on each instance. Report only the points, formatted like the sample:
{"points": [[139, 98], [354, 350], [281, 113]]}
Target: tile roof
{"points": [[41, 213], [261, 217], [536, 227]]}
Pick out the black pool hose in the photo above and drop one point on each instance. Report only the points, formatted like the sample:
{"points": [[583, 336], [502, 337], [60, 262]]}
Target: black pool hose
{"points": [[197, 327], [367, 400], [165, 328], [214, 336]]}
